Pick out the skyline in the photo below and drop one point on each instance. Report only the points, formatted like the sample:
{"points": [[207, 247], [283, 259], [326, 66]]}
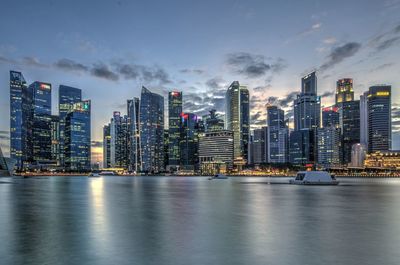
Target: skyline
{"points": [[270, 58]]}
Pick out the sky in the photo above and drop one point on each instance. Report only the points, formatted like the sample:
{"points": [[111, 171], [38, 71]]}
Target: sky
{"points": [[110, 49]]}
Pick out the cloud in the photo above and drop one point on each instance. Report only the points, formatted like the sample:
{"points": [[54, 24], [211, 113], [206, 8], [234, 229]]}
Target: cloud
{"points": [[216, 83], [382, 67], [340, 53], [387, 43], [103, 71], [385, 40], [70, 65], [7, 60], [253, 65], [327, 94], [330, 40], [192, 71], [144, 73], [33, 61]]}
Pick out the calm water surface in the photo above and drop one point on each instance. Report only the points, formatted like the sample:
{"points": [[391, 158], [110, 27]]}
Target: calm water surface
{"points": [[176, 220]]}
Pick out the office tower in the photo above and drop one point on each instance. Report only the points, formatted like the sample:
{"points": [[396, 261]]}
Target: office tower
{"points": [[358, 154], [55, 139], [18, 87], [328, 146], [152, 131], [67, 97], [259, 144], [330, 117], [134, 132], [189, 141], [344, 90], [40, 134], [349, 117], [120, 140], [216, 151], [238, 120], [166, 148], [77, 134], [213, 122], [379, 118], [174, 129], [277, 135], [307, 105], [106, 146], [364, 119], [301, 147]]}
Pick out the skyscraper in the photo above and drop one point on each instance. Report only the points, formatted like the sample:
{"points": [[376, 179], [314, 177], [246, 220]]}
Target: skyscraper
{"points": [[174, 129], [301, 147], [330, 117], [328, 146], [379, 118], [106, 146], [189, 141], [120, 140], [78, 137], [134, 132], [307, 105], [67, 97], [364, 120], [213, 122], [238, 120], [152, 131], [344, 90], [277, 135], [17, 138], [259, 145]]}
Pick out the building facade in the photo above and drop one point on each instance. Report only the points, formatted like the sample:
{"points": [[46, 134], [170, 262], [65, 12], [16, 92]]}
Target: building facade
{"points": [[175, 126], [120, 141], [328, 146], [189, 142], [133, 106], [277, 151]]}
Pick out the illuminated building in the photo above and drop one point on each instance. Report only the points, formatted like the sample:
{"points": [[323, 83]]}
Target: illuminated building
{"points": [[213, 122], [216, 152], [259, 146], [238, 120], [106, 146], [151, 131], [174, 128], [18, 139], [379, 118], [349, 119], [383, 160], [330, 117], [77, 142], [120, 141], [55, 139], [67, 97], [134, 134], [277, 151], [301, 147], [364, 119], [344, 90], [189, 141], [328, 146]]}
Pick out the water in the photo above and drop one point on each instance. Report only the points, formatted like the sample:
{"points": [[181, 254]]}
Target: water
{"points": [[176, 220]]}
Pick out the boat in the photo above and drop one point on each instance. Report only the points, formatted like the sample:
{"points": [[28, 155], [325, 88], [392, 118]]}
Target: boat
{"points": [[218, 176], [94, 175], [108, 173], [314, 178]]}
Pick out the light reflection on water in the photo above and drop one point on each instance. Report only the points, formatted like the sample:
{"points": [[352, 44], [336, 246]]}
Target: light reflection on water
{"points": [[176, 220]]}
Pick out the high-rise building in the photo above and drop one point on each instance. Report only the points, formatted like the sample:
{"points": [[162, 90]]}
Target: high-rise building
{"points": [[41, 123], [344, 90], [277, 151], [18, 140], [174, 129], [152, 131], [77, 142], [259, 145], [106, 146], [134, 133], [379, 118], [328, 146], [349, 117], [55, 139], [301, 147], [364, 119], [238, 120], [67, 97], [216, 151], [330, 117], [307, 105], [189, 141], [120, 141]]}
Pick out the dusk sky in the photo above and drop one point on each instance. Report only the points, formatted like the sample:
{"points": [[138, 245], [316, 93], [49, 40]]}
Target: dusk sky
{"points": [[110, 49]]}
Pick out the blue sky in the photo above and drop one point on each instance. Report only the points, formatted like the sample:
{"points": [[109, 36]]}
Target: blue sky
{"points": [[111, 48]]}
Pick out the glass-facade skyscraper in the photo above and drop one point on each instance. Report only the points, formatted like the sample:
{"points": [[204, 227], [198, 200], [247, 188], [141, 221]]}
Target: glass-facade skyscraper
{"points": [[237, 111], [330, 117], [133, 106], [152, 131], [379, 118], [120, 141], [67, 97], [277, 135], [344, 90], [17, 139], [78, 137], [189, 141], [175, 126]]}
